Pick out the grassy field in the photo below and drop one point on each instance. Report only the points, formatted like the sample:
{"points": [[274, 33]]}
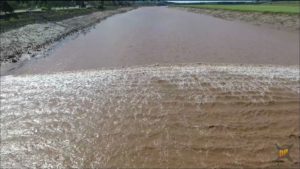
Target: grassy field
{"points": [[266, 8]]}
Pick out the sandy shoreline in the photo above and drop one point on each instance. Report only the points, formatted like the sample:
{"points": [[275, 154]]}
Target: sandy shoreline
{"points": [[31, 39]]}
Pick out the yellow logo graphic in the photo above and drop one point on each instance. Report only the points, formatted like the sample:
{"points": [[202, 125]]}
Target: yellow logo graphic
{"points": [[283, 152]]}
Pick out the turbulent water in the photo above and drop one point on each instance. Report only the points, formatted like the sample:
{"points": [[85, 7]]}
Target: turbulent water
{"points": [[208, 116]]}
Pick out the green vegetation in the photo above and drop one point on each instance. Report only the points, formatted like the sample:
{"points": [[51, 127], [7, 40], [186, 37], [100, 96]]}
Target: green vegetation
{"points": [[39, 17], [265, 8], [18, 13]]}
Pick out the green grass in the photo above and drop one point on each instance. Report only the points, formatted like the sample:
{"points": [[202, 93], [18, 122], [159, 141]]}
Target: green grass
{"points": [[265, 8]]}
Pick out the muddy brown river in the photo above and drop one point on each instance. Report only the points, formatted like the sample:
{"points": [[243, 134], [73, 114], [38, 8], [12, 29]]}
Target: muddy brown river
{"points": [[161, 116], [197, 116], [153, 35]]}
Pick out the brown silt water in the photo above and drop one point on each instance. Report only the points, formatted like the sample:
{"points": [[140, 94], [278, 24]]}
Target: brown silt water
{"points": [[99, 115], [153, 35]]}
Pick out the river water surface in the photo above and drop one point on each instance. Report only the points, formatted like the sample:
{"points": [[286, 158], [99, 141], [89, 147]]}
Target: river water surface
{"points": [[209, 116], [171, 116], [151, 35]]}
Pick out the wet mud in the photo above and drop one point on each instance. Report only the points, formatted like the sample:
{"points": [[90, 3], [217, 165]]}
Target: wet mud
{"points": [[199, 116]]}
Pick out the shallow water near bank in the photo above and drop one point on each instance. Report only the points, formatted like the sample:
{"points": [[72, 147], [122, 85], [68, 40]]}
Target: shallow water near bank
{"points": [[151, 35]]}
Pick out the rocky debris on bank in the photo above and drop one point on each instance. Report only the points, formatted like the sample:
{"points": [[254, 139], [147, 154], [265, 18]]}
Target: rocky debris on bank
{"points": [[31, 38], [289, 22]]}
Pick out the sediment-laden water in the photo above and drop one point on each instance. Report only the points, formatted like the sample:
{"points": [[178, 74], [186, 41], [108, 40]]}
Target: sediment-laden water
{"points": [[151, 35], [209, 116]]}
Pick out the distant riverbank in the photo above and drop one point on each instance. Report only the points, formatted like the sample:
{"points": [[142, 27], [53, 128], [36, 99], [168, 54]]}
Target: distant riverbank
{"points": [[278, 16], [265, 8]]}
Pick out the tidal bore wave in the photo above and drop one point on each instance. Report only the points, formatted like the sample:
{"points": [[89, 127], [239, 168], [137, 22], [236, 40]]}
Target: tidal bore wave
{"points": [[209, 116]]}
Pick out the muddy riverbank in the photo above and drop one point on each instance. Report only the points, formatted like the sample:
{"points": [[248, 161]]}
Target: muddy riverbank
{"points": [[188, 116], [30, 40], [288, 22]]}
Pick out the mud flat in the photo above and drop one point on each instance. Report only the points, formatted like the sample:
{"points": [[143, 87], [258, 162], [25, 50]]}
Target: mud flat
{"points": [[30, 40], [200, 116], [289, 22]]}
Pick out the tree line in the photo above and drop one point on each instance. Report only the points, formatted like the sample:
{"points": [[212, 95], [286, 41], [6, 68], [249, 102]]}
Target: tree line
{"points": [[8, 6]]}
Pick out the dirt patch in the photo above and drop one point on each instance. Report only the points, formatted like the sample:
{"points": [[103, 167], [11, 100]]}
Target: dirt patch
{"points": [[30, 39], [274, 20]]}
